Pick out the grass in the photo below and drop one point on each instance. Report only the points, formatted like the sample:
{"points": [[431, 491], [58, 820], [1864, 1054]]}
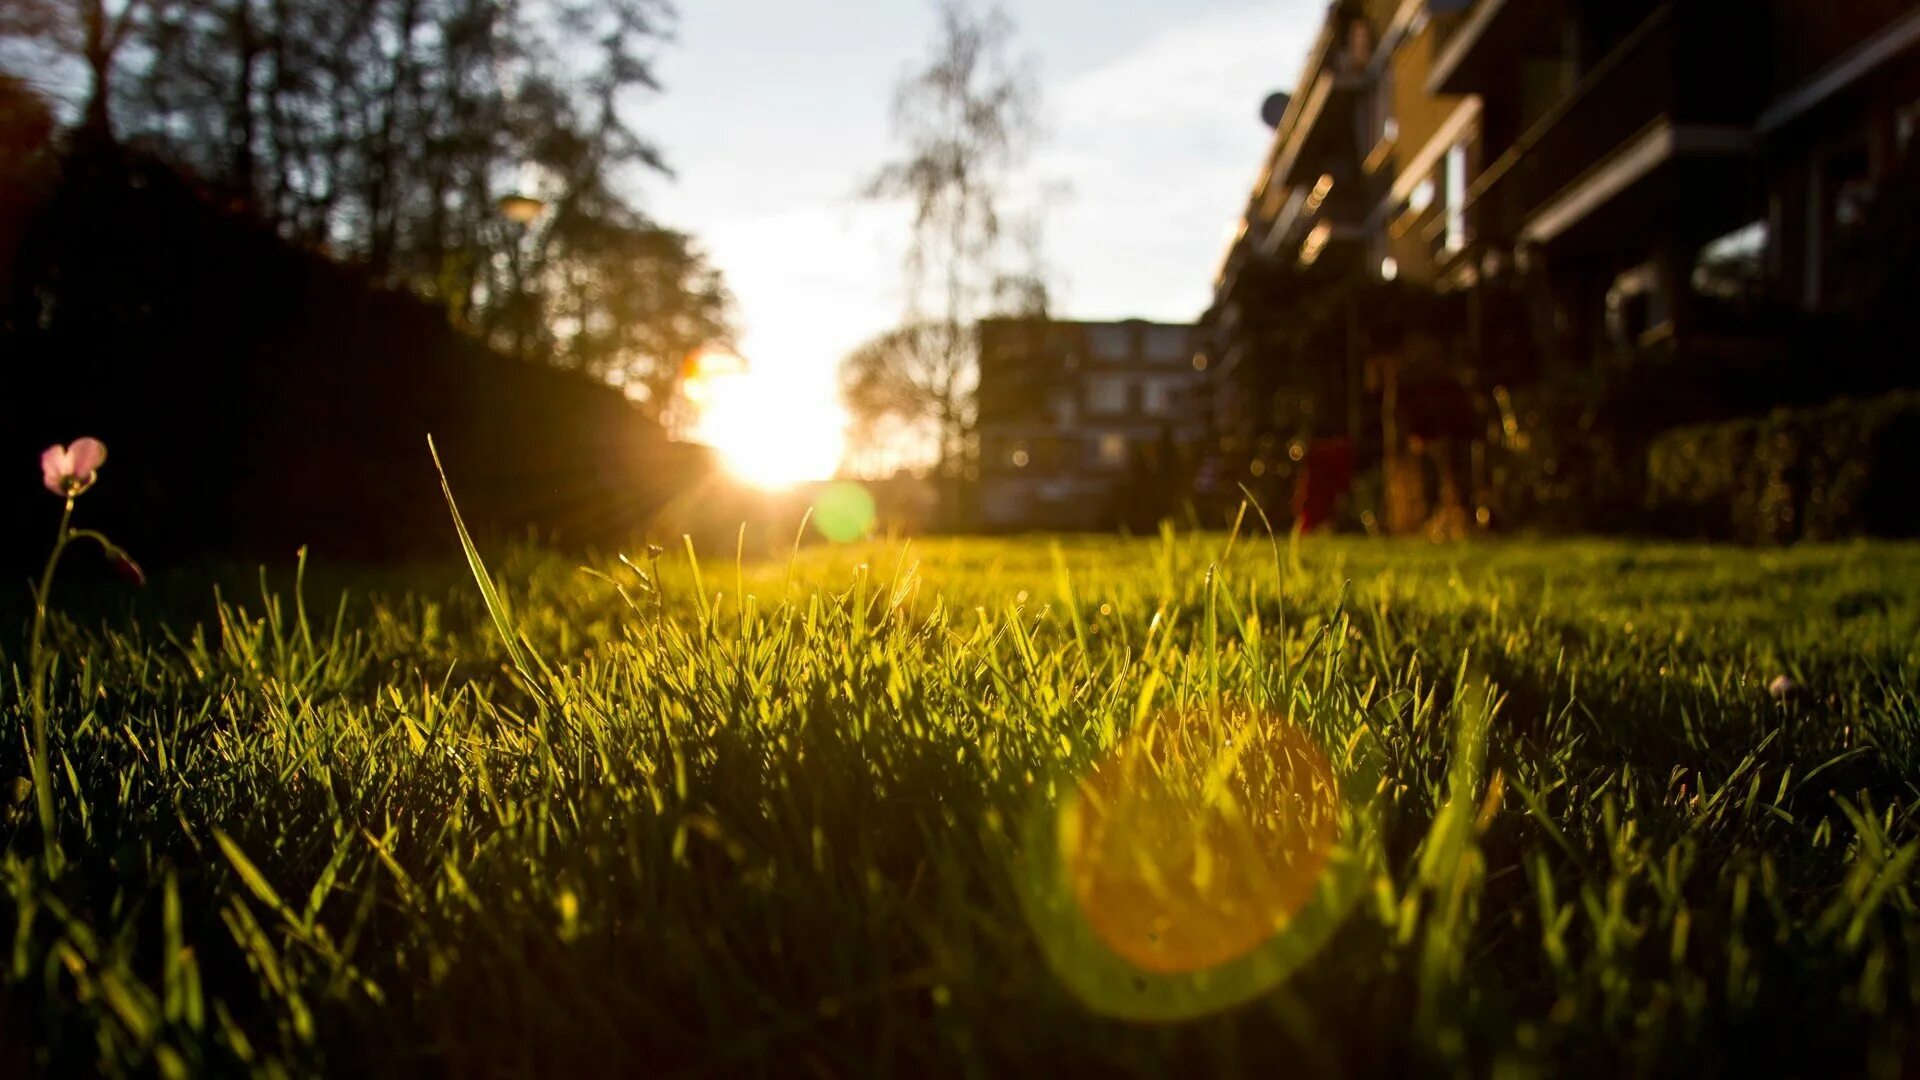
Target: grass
{"points": [[799, 816]]}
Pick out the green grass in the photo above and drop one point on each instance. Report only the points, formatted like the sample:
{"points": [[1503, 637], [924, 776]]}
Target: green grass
{"points": [[794, 817]]}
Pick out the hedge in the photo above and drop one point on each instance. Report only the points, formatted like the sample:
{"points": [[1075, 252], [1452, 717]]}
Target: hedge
{"points": [[1837, 470], [258, 396]]}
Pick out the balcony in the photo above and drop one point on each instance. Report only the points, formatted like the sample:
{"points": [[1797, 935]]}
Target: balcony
{"points": [[1475, 50], [1335, 205], [1635, 117], [1324, 136], [1318, 132]]}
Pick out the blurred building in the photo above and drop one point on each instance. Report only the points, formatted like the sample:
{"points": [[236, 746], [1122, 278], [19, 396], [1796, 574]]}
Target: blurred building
{"points": [[1463, 194], [1085, 425], [1324, 318], [1647, 159]]}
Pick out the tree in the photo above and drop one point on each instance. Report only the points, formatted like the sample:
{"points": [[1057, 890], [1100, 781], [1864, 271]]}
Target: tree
{"points": [[917, 380], [965, 124], [628, 302], [387, 132], [92, 31], [388, 129]]}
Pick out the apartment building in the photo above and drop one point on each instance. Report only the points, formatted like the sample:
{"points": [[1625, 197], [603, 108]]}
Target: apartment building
{"points": [[1326, 331], [1081, 424], [1637, 152], [1557, 182]]}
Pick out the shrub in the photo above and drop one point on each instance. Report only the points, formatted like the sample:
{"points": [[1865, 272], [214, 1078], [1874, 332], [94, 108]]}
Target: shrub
{"points": [[1821, 473]]}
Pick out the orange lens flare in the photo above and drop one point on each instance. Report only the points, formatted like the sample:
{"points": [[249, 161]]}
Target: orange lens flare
{"points": [[1190, 846]]}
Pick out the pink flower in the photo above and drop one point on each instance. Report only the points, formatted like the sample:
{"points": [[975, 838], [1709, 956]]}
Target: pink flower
{"points": [[70, 470]]}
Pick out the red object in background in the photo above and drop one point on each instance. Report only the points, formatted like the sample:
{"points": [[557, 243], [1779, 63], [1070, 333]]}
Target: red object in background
{"points": [[1325, 476]]}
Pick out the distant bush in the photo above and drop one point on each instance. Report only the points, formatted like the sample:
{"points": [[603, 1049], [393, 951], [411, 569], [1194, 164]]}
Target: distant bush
{"points": [[1836, 470]]}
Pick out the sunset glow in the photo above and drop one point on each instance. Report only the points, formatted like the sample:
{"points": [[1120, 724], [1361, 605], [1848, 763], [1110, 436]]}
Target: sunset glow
{"points": [[768, 434]]}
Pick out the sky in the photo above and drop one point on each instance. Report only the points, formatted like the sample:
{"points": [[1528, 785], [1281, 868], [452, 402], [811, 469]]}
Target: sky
{"points": [[775, 111]]}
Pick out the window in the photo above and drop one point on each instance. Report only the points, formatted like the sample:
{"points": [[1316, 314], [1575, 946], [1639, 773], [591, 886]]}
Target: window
{"points": [[1167, 344], [1456, 197], [1107, 396], [1063, 407], [1110, 343], [1731, 268], [1108, 451], [1158, 398]]}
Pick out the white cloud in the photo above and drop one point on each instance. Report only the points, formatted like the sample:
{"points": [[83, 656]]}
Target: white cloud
{"points": [[1161, 146]]}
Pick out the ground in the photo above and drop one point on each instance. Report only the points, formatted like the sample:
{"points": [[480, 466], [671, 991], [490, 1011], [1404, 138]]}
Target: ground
{"points": [[1194, 804]]}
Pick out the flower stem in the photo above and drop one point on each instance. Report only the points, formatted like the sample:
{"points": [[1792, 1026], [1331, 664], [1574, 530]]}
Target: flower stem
{"points": [[38, 664]]}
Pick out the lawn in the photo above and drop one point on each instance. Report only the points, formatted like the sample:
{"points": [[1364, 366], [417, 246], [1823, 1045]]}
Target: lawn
{"points": [[1181, 805]]}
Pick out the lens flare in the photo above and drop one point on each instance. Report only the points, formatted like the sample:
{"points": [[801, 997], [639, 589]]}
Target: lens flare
{"points": [[843, 512], [1198, 863], [1179, 869]]}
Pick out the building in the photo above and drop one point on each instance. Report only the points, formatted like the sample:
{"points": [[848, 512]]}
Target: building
{"points": [[1323, 333], [1647, 159], [1465, 196], [1084, 425]]}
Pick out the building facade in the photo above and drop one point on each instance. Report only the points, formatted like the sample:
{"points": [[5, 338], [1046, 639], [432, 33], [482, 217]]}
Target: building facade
{"points": [[1487, 192], [1647, 160], [1318, 339], [1084, 425]]}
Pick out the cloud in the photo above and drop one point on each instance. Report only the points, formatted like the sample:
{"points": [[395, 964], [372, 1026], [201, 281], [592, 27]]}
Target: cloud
{"points": [[1160, 147], [1211, 72]]}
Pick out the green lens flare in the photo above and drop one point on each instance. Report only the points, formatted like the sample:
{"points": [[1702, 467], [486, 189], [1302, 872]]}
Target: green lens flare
{"points": [[843, 512]]}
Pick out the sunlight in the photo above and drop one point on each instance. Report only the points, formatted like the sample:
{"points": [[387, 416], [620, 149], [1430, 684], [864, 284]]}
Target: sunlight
{"points": [[767, 434]]}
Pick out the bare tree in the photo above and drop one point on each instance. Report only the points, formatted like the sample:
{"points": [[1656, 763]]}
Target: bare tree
{"points": [[919, 376], [965, 124], [92, 31]]}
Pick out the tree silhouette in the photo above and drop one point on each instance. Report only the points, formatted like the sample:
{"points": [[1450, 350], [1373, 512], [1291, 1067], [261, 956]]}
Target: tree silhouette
{"points": [[91, 31], [386, 132], [917, 378], [628, 302], [965, 125]]}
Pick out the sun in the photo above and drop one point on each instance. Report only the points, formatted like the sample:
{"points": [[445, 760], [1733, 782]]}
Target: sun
{"points": [[769, 435]]}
